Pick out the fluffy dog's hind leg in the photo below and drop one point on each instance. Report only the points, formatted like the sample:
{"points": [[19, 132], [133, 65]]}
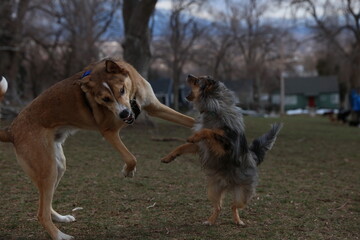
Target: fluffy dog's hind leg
{"points": [[242, 195], [215, 195]]}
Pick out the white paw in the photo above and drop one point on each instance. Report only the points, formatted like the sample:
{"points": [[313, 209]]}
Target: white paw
{"points": [[63, 236], [240, 223], [63, 219], [207, 223], [127, 173]]}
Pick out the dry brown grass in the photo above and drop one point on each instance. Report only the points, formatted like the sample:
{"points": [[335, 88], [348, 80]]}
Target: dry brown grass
{"points": [[309, 188]]}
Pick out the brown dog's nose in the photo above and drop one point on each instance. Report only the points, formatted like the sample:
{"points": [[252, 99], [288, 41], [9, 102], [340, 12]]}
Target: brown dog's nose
{"points": [[124, 114]]}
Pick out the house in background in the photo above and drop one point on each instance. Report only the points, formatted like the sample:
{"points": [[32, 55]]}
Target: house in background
{"points": [[163, 91], [310, 92]]}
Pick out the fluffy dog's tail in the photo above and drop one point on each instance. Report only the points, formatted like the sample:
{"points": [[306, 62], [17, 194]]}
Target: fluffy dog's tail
{"points": [[264, 143]]}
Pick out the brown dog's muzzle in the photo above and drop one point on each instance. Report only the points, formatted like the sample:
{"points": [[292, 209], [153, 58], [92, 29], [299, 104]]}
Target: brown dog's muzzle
{"points": [[127, 116]]}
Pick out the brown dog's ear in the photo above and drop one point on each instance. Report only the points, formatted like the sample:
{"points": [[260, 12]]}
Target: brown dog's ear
{"points": [[113, 67], [86, 84]]}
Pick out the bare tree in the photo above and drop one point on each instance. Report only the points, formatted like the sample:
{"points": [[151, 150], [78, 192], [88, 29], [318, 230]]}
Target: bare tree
{"points": [[176, 47], [256, 39], [216, 52], [83, 31], [11, 40], [136, 15], [337, 23]]}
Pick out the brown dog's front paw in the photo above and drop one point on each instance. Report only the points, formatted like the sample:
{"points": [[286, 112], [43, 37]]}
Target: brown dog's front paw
{"points": [[239, 223], [208, 223], [128, 171]]}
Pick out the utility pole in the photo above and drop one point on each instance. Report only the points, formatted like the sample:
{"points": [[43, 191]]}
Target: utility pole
{"points": [[282, 80], [282, 93]]}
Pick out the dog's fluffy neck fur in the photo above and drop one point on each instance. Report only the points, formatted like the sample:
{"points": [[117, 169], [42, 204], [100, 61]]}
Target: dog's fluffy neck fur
{"points": [[219, 109]]}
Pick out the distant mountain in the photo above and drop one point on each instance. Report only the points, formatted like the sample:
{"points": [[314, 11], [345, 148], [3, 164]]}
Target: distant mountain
{"points": [[160, 20]]}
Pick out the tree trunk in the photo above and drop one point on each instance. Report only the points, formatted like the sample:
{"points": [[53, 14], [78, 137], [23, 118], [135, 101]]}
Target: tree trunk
{"points": [[176, 88], [136, 15], [11, 37], [256, 92]]}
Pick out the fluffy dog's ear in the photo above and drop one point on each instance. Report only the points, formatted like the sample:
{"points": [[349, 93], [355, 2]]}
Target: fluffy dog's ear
{"points": [[113, 67], [210, 84]]}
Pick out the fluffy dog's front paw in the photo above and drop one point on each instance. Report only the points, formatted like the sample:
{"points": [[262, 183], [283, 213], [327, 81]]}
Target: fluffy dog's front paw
{"points": [[168, 159], [194, 138], [128, 172], [191, 139]]}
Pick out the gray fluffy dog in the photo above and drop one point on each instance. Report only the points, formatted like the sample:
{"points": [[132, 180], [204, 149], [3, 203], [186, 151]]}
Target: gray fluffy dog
{"points": [[229, 163]]}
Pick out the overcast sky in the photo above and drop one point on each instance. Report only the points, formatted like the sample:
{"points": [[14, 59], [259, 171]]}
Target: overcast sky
{"points": [[276, 12]]}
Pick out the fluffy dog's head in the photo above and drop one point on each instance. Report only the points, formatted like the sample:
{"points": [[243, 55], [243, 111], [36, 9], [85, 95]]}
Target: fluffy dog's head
{"points": [[208, 94], [200, 87], [110, 86]]}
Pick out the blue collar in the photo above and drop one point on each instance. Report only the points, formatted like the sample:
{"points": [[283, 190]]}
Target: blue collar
{"points": [[86, 73]]}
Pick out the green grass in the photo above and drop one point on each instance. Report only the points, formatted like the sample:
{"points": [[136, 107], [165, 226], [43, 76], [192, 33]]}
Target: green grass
{"points": [[309, 188]]}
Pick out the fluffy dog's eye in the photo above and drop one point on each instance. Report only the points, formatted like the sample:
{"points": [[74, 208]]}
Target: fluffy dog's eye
{"points": [[106, 99], [122, 91]]}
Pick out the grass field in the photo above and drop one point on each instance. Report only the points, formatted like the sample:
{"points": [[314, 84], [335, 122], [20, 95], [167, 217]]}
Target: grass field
{"points": [[309, 188]]}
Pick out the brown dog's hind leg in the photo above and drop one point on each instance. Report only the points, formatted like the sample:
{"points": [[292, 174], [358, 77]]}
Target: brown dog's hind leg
{"points": [[182, 149], [215, 195], [60, 167], [46, 188], [40, 165]]}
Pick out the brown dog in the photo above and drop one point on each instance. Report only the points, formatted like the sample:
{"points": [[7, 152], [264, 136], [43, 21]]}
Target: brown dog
{"points": [[106, 96], [219, 139]]}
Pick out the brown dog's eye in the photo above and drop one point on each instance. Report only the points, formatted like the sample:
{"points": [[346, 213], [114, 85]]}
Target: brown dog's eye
{"points": [[106, 99], [122, 91]]}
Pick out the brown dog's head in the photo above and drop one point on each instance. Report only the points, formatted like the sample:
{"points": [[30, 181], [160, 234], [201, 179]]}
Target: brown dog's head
{"points": [[110, 86], [200, 87]]}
